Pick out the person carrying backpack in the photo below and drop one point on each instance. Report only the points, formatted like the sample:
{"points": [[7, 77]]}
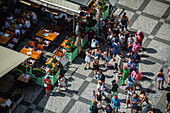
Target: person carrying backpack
{"points": [[93, 107], [124, 21]]}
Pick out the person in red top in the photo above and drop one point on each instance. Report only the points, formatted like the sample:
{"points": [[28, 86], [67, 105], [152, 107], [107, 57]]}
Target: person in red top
{"points": [[48, 82], [137, 77], [139, 36]]}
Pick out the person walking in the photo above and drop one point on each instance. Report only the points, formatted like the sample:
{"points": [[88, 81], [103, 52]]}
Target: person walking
{"points": [[115, 102], [146, 106], [93, 107], [95, 66], [114, 89], [106, 56], [129, 95], [129, 82], [161, 78], [101, 25], [136, 47], [130, 41], [137, 77], [87, 59], [124, 21], [134, 103], [48, 85], [139, 36], [169, 76], [126, 74], [130, 64], [115, 50], [136, 60], [61, 82], [100, 88]]}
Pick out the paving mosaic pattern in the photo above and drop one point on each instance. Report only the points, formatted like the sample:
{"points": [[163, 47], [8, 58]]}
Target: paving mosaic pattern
{"points": [[150, 16]]}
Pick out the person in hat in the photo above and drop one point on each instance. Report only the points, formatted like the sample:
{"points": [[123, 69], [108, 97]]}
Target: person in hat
{"points": [[114, 89], [101, 25], [139, 36], [100, 88], [95, 66]]}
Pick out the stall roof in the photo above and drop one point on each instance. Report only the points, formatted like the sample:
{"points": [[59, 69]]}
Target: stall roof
{"points": [[9, 59], [62, 5]]}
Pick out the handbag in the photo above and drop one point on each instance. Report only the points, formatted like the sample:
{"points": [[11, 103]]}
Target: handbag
{"points": [[45, 85]]}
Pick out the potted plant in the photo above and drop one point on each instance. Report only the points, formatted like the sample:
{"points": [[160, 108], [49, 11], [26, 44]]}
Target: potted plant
{"points": [[72, 51], [39, 74], [53, 73]]}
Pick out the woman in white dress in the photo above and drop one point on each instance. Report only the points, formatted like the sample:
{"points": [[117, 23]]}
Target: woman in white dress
{"points": [[87, 58]]}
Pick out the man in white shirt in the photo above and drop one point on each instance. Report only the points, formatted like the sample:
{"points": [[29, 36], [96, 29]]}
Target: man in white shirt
{"points": [[34, 16], [27, 23]]}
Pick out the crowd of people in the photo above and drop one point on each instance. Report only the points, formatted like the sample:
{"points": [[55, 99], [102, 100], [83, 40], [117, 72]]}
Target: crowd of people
{"points": [[117, 38]]}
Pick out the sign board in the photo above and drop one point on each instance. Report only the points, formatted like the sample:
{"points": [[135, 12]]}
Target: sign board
{"points": [[64, 60]]}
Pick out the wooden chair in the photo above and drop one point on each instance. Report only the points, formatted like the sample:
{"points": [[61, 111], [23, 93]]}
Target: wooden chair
{"points": [[30, 45], [40, 48], [38, 39]]}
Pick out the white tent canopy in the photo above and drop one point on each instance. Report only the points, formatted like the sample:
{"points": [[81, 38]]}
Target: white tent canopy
{"points": [[62, 5], [9, 59]]}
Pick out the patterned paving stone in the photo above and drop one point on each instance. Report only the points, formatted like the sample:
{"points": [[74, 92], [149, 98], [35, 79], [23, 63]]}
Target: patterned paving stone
{"points": [[156, 8], [163, 32], [88, 92], [31, 93], [21, 109], [130, 3], [57, 103], [74, 83], [144, 24], [79, 106], [159, 50]]}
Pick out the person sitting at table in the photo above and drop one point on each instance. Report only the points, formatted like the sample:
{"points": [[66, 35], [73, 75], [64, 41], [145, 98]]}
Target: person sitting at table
{"points": [[17, 28], [7, 24], [17, 11], [33, 17], [10, 17], [27, 23]]}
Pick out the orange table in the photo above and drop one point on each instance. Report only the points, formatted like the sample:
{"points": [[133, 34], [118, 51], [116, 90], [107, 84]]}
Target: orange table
{"points": [[25, 13], [4, 39], [34, 54], [63, 44], [50, 37], [23, 79]]}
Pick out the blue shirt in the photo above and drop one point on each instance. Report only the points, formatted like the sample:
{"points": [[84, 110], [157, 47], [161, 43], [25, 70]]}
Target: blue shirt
{"points": [[134, 100], [115, 103], [102, 78]]}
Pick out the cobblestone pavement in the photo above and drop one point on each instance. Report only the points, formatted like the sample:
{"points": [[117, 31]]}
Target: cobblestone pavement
{"points": [[151, 17]]}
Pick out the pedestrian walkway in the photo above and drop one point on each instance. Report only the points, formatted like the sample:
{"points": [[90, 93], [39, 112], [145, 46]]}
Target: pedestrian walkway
{"points": [[153, 19]]}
